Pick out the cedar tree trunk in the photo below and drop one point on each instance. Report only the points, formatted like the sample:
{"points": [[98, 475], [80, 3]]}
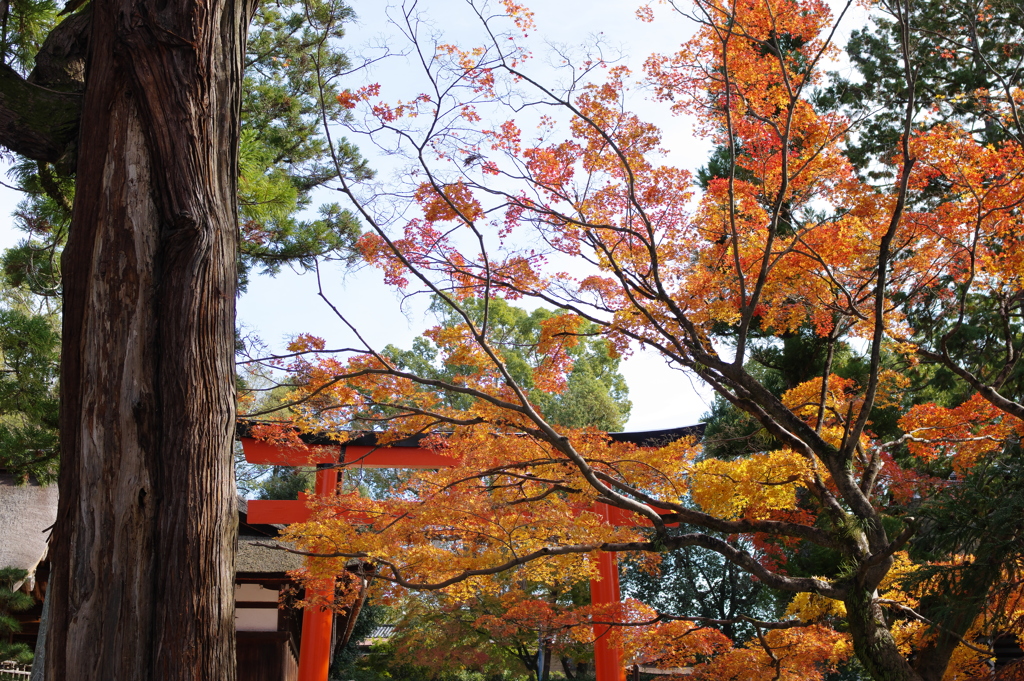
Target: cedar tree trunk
{"points": [[143, 547]]}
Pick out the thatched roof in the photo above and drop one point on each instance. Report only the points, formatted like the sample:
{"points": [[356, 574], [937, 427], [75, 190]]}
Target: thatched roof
{"points": [[27, 512], [255, 558]]}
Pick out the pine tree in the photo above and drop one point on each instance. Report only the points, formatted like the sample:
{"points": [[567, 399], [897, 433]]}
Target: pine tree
{"points": [[11, 602]]}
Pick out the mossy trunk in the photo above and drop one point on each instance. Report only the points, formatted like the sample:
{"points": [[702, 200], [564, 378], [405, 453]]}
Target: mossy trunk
{"points": [[875, 647]]}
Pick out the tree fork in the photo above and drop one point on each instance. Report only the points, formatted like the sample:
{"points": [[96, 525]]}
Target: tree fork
{"points": [[142, 586]]}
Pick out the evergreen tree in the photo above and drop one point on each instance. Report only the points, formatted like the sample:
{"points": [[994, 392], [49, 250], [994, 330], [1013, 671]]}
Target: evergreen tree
{"points": [[12, 601], [965, 57]]}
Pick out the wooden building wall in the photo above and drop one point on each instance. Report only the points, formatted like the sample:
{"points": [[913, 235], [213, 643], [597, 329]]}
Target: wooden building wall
{"points": [[266, 656]]}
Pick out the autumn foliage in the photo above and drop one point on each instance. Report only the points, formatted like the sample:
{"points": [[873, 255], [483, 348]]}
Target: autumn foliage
{"points": [[577, 207]]}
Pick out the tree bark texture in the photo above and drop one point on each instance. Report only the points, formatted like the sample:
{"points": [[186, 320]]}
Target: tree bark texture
{"points": [[143, 548], [874, 644]]}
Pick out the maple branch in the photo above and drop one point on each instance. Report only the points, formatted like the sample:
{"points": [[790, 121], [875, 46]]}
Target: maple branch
{"points": [[545, 494], [747, 308], [776, 662], [273, 358], [921, 618], [825, 374], [682, 514], [895, 545], [989, 393], [878, 332], [910, 437], [740, 558], [742, 619]]}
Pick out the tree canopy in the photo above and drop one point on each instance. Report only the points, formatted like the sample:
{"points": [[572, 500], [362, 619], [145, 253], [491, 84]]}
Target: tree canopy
{"points": [[845, 276]]}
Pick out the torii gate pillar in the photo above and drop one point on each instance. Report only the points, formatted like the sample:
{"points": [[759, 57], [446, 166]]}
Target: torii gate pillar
{"points": [[318, 622], [607, 653]]}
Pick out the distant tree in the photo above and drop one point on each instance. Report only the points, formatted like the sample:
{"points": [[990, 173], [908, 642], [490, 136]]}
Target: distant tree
{"points": [[29, 406], [343, 665], [595, 395]]}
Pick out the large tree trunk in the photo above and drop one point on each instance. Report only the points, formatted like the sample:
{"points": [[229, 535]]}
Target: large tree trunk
{"points": [[875, 647], [143, 547]]}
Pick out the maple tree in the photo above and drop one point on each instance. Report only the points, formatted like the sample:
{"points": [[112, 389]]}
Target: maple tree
{"points": [[439, 633], [915, 274], [488, 634]]}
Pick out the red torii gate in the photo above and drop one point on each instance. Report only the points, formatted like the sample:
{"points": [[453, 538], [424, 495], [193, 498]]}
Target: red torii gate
{"points": [[363, 451]]}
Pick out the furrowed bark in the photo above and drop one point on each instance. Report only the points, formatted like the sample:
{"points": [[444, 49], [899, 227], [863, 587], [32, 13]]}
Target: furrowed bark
{"points": [[143, 547], [60, 62]]}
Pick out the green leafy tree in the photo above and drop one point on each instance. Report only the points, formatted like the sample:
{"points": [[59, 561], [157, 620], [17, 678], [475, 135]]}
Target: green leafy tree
{"points": [[966, 56], [695, 583], [596, 394], [29, 405], [292, 72], [344, 663]]}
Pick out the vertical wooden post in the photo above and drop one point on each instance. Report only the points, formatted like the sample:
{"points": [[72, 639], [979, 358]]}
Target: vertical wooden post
{"points": [[318, 623], [607, 655]]}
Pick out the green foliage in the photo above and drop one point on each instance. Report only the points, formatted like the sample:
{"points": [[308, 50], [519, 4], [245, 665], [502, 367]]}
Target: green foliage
{"points": [[964, 54], [10, 602], [693, 582], [292, 64], [596, 394], [290, 89], [284, 482], [978, 342], [382, 664], [731, 432], [343, 665], [31, 269], [437, 638], [29, 407], [24, 25], [970, 543]]}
